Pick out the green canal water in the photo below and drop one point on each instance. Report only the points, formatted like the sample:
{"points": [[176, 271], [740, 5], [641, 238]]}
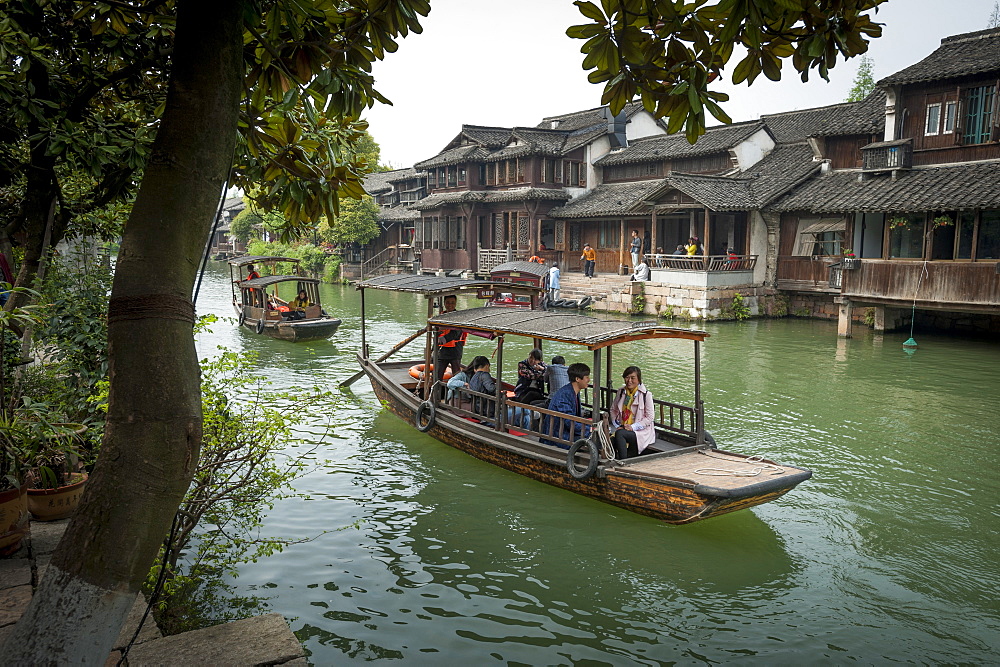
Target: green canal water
{"points": [[888, 554]]}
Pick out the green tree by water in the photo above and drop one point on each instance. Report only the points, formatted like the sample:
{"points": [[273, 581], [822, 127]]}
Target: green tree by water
{"points": [[864, 81]]}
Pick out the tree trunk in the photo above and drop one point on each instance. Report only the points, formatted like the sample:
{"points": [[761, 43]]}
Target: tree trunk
{"points": [[153, 434]]}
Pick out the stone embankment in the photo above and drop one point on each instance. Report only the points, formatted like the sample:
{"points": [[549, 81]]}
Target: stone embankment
{"points": [[261, 640]]}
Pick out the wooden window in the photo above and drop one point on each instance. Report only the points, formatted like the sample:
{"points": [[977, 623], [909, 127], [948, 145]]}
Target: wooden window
{"points": [[432, 178], [452, 176], [558, 166], [906, 236], [520, 170], [459, 236], [491, 174], [948, 119], [549, 168], [461, 175], [482, 175], [442, 177], [979, 115], [988, 239], [932, 119]]}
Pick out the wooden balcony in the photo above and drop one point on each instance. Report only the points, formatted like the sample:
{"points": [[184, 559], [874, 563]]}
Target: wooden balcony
{"points": [[961, 286], [806, 274]]}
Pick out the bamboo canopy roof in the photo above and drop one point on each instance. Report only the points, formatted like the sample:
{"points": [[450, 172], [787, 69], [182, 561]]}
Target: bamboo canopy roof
{"points": [[556, 326], [437, 285], [267, 281], [261, 259]]}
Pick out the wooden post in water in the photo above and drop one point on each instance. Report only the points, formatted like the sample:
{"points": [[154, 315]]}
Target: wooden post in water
{"points": [[501, 409], [595, 404], [699, 409], [364, 348]]}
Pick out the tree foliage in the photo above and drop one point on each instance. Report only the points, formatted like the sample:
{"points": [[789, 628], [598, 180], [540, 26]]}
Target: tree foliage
{"points": [[357, 222], [864, 81], [667, 53]]}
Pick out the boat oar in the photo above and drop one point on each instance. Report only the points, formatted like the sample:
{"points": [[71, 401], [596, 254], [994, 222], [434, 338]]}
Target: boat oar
{"points": [[357, 376]]}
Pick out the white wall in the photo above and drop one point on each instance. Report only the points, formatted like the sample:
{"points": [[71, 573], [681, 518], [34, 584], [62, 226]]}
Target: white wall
{"points": [[642, 124], [594, 151], [752, 150]]}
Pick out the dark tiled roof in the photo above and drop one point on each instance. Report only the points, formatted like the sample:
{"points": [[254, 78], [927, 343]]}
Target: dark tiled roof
{"points": [[607, 199], [959, 55], [865, 117], [716, 192], [453, 156], [781, 170], [963, 186], [582, 120], [401, 174], [440, 199], [665, 147], [380, 181], [490, 137], [397, 213], [444, 198]]}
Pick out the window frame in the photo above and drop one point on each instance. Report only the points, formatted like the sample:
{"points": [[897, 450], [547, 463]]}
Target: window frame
{"points": [[937, 108]]}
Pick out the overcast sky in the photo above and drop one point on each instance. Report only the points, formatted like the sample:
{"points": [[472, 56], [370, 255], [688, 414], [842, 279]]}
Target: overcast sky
{"points": [[509, 62]]}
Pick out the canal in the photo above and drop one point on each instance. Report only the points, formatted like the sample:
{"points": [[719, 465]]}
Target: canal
{"points": [[888, 554]]}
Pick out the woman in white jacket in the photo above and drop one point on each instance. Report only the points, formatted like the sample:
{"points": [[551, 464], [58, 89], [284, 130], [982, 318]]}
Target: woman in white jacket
{"points": [[632, 416]]}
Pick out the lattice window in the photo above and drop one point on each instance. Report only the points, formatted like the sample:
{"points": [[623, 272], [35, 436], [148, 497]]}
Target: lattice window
{"points": [[574, 238], [560, 233], [522, 233], [460, 224], [497, 232]]}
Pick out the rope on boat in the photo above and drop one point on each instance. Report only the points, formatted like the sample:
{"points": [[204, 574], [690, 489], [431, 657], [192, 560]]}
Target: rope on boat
{"points": [[756, 460]]}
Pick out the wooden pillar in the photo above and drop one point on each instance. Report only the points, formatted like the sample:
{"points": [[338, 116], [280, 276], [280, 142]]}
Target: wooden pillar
{"points": [[652, 234], [621, 247], [707, 240], [844, 320]]}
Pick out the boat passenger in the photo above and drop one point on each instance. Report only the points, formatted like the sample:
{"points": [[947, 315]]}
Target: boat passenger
{"points": [[255, 295], [555, 376], [567, 401], [451, 343], [485, 383], [297, 306], [529, 387], [461, 379], [632, 416]]}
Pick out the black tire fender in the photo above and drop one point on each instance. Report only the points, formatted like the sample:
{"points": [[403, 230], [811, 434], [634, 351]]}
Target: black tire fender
{"points": [[242, 318], [431, 410], [585, 301], [709, 440], [260, 326], [591, 468]]}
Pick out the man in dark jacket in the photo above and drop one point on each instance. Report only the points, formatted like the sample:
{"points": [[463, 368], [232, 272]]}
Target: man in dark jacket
{"points": [[567, 401], [451, 343]]}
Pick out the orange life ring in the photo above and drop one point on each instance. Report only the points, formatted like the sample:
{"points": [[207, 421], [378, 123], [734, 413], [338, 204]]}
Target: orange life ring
{"points": [[417, 371]]}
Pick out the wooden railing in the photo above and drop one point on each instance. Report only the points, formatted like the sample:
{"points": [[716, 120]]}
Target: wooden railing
{"points": [[379, 264], [701, 262], [490, 259], [975, 284]]}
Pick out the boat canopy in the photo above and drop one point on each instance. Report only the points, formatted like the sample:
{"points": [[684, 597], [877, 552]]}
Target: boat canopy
{"points": [[261, 259], [556, 326], [519, 266], [438, 285], [267, 281]]}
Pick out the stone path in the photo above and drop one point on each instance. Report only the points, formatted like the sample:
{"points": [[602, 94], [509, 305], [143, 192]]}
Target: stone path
{"points": [[261, 640]]}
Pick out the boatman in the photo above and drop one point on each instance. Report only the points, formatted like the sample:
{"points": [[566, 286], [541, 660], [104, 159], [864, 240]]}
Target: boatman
{"points": [[450, 342]]}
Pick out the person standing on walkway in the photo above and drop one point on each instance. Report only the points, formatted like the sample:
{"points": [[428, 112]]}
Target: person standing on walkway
{"points": [[554, 282], [451, 343], [635, 247], [589, 258]]}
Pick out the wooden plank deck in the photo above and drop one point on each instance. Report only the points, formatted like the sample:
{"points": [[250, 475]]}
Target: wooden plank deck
{"points": [[686, 467]]}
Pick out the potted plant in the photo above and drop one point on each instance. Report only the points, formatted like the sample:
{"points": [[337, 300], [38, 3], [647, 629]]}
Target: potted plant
{"points": [[52, 453], [899, 221], [850, 260], [13, 489], [942, 221]]}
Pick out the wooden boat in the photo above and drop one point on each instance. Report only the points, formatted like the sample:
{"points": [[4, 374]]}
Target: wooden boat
{"points": [[684, 477], [260, 307]]}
